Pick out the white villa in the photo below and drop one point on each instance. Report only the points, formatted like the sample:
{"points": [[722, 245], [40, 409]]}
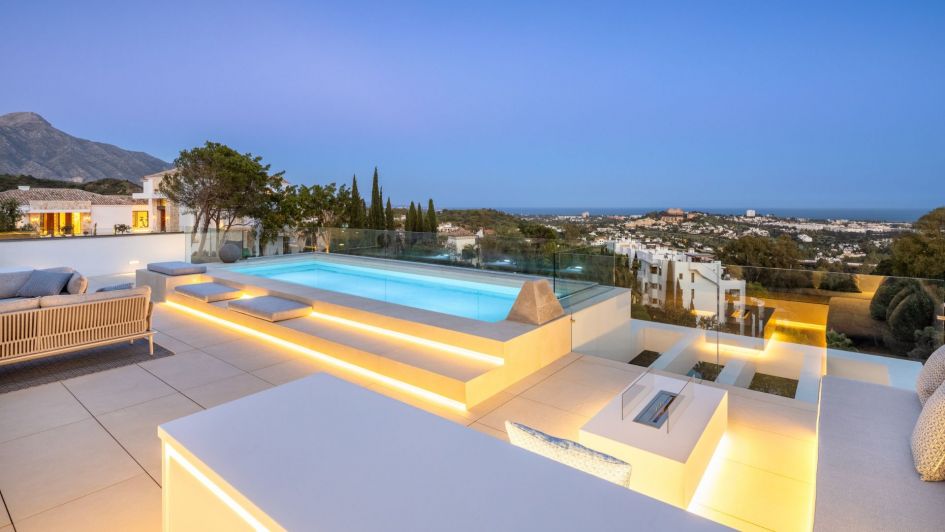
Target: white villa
{"points": [[68, 211], [166, 214]]}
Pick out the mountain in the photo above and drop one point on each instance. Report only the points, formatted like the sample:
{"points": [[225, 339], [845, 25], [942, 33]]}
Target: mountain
{"points": [[107, 186], [32, 146]]}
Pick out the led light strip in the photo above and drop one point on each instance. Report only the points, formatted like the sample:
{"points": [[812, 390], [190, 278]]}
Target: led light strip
{"points": [[384, 379], [800, 325], [468, 353], [224, 497]]}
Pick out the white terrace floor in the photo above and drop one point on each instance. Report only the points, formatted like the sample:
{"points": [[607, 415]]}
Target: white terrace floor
{"points": [[83, 454]]}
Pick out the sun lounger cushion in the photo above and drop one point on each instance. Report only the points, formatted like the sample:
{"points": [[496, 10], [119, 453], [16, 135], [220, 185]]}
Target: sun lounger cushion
{"points": [[44, 283], [209, 292], [177, 268], [270, 308], [16, 304], [569, 453]]}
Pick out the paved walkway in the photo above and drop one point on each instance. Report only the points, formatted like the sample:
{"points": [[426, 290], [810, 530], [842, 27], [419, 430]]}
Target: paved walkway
{"points": [[83, 454]]}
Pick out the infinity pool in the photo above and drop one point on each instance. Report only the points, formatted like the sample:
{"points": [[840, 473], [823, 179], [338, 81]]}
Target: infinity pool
{"points": [[469, 299]]}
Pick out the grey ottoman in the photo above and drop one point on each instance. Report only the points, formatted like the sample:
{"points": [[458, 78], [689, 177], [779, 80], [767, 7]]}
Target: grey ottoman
{"points": [[270, 308], [209, 292], [177, 268]]}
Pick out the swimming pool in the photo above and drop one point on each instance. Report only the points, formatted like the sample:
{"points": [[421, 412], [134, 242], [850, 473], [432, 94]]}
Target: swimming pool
{"points": [[460, 297]]}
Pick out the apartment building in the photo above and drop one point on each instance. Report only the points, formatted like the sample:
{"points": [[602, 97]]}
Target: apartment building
{"points": [[691, 280]]}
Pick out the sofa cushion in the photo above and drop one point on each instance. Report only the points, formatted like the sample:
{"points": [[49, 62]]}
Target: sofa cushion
{"points": [[928, 438], [44, 283], [113, 287], [10, 283], [16, 304], [75, 299], [77, 284], [866, 479], [209, 292], [58, 269], [569, 453], [270, 308], [177, 268], [932, 375]]}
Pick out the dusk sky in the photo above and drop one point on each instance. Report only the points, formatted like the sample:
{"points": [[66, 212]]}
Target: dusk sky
{"points": [[570, 104]]}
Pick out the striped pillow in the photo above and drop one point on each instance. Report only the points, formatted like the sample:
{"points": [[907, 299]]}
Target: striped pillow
{"points": [[569, 453]]}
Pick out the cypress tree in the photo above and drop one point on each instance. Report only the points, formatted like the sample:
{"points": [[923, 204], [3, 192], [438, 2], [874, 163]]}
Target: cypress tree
{"points": [[388, 216], [411, 224], [432, 224], [356, 207], [421, 226], [376, 212]]}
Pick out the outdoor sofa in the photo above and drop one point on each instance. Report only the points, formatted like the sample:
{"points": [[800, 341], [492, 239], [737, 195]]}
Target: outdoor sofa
{"points": [[66, 319], [866, 477]]}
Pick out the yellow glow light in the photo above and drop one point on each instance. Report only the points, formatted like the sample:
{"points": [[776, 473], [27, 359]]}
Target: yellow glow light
{"points": [[743, 351], [790, 324], [322, 357], [711, 476], [468, 353], [224, 497]]}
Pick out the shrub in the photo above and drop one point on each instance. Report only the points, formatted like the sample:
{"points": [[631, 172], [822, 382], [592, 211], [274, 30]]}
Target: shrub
{"points": [[912, 314], [899, 298], [837, 340], [839, 282], [926, 342], [885, 294]]}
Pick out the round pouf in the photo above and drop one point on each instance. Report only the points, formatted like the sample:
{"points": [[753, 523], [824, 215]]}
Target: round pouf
{"points": [[230, 252]]}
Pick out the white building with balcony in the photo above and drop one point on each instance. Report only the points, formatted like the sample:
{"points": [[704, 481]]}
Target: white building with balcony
{"points": [[691, 279]]}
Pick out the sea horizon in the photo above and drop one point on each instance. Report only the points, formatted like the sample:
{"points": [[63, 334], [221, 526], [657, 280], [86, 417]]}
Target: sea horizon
{"points": [[906, 215]]}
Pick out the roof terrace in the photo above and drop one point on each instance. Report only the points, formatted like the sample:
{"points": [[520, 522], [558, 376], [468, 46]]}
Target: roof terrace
{"points": [[79, 436]]}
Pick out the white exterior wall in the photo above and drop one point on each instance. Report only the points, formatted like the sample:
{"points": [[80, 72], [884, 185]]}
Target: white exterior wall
{"points": [[102, 255], [106, 217]]}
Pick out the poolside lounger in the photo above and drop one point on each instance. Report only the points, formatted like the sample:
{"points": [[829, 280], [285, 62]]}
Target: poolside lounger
{"points": [[270, 308], [209, 292]]}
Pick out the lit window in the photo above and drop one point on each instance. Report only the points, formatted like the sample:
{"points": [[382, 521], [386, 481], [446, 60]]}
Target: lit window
{"points": [[140, 219]]}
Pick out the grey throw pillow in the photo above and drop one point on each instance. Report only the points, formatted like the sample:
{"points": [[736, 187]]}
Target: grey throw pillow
{"points": [[42, 283], [114, 287]]}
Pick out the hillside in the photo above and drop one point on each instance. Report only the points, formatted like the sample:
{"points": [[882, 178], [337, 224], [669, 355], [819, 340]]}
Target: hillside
{"points": [[29, 145], [102, 186], [474, 219]]}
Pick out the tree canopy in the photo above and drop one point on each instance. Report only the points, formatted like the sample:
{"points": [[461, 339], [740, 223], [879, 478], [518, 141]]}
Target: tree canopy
{"points": [[220, 186], [922, 253]]}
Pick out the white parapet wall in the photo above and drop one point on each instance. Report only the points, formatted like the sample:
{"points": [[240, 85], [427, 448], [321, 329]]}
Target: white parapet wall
{"points": [[99, 255]]}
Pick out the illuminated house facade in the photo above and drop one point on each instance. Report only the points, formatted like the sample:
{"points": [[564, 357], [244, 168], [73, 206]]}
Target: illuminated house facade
{"points": [[166, 214], [66, 211]]}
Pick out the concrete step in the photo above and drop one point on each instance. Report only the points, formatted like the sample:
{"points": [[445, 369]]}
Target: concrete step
{"points": [[466, 377]]}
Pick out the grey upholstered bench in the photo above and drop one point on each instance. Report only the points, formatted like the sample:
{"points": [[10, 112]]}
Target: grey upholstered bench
{"points": [[163, 277], [866, 477], [270, 308], [175, 268], [209, 292]]}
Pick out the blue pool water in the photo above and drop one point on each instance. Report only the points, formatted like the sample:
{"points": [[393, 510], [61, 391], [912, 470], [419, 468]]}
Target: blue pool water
{"points": [[468, 299]]}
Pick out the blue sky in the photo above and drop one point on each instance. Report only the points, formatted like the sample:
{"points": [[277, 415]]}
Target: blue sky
{"points": [[566, 104]]}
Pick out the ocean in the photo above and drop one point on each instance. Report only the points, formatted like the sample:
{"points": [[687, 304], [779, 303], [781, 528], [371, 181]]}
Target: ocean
{"points": [[864, 214]]}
